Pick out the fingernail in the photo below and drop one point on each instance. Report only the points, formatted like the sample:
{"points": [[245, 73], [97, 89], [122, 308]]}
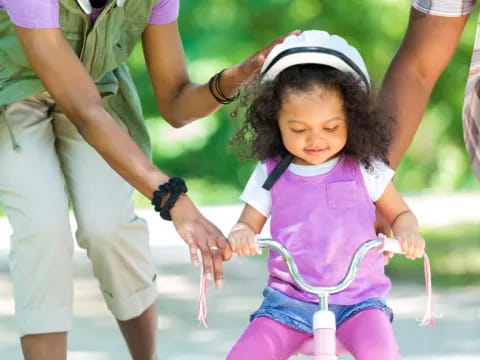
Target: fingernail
{"points": [[209, 276], [219, 283], [196, 263]]}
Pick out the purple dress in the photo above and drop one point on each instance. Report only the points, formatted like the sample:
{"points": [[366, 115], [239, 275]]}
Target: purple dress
{"points": [[322, 220]]}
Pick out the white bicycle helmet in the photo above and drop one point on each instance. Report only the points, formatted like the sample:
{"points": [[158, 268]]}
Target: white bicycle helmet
{"points": [[315, 47]]}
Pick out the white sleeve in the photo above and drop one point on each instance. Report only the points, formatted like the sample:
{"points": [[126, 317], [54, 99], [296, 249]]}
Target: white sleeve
{"points": [[254, 194], [376, 179], [451, 8]]}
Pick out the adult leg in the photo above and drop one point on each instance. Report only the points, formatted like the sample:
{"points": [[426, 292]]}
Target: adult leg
{"points": [[140, 334], [115, 238], [267, 339], [368, 335], [32, 192], [44, 346]]}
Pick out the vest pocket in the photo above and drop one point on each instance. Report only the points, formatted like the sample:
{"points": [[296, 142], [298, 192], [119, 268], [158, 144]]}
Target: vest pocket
{"points": [[342, 195]]}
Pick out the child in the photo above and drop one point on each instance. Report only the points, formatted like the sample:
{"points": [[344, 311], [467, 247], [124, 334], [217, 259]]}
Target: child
{"points": [[323, 153]]}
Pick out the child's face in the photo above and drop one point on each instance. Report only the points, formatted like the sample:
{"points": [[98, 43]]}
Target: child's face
{"points": [[313, 125]]}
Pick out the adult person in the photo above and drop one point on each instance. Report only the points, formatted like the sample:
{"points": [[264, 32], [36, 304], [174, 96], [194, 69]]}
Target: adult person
{"points": [[432, 35], [69, 116], [430, 41]]}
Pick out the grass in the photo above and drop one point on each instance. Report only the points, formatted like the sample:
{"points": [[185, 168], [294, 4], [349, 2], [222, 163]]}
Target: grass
{"points": [[454, 254]]}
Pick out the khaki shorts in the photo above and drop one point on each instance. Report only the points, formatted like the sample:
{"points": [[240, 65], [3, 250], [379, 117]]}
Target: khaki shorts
{"points": [[44, 163]]}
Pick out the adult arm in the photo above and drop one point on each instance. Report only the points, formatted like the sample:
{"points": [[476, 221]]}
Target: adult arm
{"points": [[66, 79], [70, 85], [179, 100], [428, 46]]}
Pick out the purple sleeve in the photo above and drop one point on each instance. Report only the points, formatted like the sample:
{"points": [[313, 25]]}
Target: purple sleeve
{"points": [[33, 14], [164, 12]]}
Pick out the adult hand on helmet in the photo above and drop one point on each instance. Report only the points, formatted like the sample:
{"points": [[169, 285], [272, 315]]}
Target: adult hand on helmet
{"points": [[201, 236], [243, 73]]}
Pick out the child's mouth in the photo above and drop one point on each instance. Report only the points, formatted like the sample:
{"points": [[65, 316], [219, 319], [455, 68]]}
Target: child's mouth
{"points": [[315, 151]]}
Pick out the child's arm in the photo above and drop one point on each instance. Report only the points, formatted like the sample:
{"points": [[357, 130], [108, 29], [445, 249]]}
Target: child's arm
{"points": [[403, 222], [242, 238]]}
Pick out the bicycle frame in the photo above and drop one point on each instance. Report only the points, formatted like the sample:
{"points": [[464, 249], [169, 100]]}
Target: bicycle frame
{"points": [[325, 345]]}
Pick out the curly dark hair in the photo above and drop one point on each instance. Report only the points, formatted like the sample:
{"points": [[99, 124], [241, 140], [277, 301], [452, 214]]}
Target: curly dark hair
{"points": [[369, 133]]}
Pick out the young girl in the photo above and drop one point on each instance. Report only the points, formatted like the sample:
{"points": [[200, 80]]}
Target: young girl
{"points": [[322, 171]]}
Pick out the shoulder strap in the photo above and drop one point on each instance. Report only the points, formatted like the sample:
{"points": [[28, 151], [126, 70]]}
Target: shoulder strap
{"points": [[277, 171]]}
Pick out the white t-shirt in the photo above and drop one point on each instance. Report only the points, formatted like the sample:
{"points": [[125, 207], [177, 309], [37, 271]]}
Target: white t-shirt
{"points": [[376, 180]]}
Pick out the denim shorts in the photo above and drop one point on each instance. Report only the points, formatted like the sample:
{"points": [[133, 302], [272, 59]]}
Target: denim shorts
{"points": [[298, 314]]}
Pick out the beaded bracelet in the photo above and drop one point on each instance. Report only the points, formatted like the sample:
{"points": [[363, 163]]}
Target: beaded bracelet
{"points": [[216, 90]]}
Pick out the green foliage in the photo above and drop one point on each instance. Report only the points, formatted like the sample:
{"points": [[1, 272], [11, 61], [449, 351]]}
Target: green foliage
{"points": [[220, 33]]}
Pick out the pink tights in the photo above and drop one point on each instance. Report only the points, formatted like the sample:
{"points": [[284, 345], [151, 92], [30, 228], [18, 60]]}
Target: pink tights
{"points": [[367, 336]]}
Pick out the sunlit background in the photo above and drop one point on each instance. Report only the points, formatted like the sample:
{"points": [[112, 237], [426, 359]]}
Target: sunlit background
{"points": [[219, 33], [435, 175]]}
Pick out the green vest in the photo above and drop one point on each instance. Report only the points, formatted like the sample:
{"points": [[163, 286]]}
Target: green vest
{"points": [[103, 48]]}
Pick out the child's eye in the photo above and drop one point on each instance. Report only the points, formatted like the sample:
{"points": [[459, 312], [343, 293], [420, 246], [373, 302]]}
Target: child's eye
{"points": [[298, 131], [331, 129]]}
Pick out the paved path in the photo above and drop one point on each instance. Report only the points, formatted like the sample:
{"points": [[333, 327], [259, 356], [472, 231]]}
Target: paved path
{"points": [[95, 337]]}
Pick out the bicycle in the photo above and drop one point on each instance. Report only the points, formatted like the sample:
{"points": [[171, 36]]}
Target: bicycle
{"points": [[324, 345]]}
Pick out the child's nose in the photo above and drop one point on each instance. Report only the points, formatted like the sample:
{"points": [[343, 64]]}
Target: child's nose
{"points": [[316, 139]]}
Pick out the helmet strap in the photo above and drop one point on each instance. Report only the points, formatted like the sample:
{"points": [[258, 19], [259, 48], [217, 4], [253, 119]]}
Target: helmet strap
{"points": [[277, 172]]}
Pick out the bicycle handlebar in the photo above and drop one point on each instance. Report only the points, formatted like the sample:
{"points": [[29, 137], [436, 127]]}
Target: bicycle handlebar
{"points": [[389, 244]]}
